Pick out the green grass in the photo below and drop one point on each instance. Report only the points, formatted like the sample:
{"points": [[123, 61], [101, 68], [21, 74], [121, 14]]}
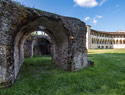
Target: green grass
{"points": [[39, 76]]}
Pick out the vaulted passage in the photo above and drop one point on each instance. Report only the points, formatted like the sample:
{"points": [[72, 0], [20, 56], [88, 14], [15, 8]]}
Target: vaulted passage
{"points": [[17, 22], [37, 45]]}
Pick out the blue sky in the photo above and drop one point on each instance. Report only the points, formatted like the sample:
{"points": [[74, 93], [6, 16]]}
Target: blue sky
{"points": [[104, 15]]}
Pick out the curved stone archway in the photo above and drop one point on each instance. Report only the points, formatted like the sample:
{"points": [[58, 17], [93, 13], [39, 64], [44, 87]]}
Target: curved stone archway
{"points": [[38, 45], [43, 45], [17, 22]]}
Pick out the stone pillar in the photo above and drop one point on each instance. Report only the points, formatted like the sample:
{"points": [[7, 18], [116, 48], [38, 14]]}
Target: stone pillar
{"points": [[28, 48], [6, 67], [2, 65], [88, 37]]}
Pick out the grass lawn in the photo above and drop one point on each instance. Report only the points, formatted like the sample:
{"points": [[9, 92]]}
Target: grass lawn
{"points": [[39, 76]]}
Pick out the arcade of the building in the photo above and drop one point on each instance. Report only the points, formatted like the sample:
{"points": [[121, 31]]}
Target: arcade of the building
{"points": [[104, 40]]}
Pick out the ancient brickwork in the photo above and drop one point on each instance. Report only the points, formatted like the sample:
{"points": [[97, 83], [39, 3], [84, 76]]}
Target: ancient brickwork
{"points": [[17, 22]]}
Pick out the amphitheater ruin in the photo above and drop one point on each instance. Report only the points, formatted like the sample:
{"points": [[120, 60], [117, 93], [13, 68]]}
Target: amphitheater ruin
{"points": [[17, 22]]}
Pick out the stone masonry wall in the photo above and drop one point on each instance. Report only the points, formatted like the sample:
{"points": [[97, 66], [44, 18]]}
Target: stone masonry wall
{"points": [[17, 22]]}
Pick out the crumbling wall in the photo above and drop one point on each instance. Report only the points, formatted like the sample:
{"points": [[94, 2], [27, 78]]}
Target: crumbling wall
{"points": [[28, 46], [17, 22]]}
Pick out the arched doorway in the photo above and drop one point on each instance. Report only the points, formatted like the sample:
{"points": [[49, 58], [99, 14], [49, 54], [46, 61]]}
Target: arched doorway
{"points": [[37, 45], [43, 47]]}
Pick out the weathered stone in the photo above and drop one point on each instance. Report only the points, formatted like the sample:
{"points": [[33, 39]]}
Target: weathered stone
{"points": [[33, 45], [17, 22]]}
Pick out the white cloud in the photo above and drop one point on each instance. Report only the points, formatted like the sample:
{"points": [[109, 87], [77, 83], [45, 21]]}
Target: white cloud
{"points": [[102, 2], [98, 16], [86, 18], [95, 19], [86, 3], [89, 3]]}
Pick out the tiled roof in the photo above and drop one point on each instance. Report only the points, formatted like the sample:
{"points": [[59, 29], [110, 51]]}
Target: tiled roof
{"points": [[112, 33]]}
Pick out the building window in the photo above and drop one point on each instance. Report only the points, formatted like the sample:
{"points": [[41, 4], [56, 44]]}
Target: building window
{"points": [[106, 47], [116, 41], [92, 41], [123, 41], [102, 47], [120, 41]]}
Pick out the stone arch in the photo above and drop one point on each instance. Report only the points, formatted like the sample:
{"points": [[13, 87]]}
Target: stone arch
{"points": [[102, 47], [113, 42], [105, 42], [68, 36], [60, 41], [92, 40], [28, 46], [97, 41], [44, 47], [106, 47], [98, 47], [117, 42], [33, 45], [120, 41], [123, 41], [108, 41], [100, 41]]}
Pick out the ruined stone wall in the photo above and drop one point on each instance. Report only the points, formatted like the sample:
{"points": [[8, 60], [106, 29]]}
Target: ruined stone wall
{"points": [[2, 64], [7, 22], [17, 22], [32, 45], [28, 46], [42, 46]]}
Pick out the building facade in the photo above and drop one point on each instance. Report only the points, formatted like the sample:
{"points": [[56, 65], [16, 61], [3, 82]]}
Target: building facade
{"points": [[104, 40]]}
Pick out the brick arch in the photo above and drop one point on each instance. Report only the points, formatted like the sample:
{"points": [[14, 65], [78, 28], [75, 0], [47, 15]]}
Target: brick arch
{"points": [[42, 46], [60, 42], [33, 45]]}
